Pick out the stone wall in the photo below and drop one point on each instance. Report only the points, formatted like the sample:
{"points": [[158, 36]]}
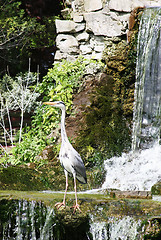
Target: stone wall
{"points": [[92, 23]]}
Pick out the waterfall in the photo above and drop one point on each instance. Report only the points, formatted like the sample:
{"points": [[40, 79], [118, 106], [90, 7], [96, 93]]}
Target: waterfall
{"points": [[146, 127], [31, 220], [141, 168], [125, 228]]}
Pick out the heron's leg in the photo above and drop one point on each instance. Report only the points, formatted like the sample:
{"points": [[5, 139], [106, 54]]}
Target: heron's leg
{"points": [[66, 187], [59, 204], [76, 206]]}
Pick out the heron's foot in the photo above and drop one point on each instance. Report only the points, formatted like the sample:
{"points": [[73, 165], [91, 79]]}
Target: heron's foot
{"points": [[59, 205], [75, 208]]}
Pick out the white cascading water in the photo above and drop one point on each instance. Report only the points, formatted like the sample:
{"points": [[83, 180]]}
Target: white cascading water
{"points": [[125, 228], [141, 168]]}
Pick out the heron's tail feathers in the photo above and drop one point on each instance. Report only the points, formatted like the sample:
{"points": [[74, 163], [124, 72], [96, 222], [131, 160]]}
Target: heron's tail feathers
{"points": [[81, 179]]}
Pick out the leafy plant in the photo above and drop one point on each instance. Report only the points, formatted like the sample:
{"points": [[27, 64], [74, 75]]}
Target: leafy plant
{"points": [[60, 83], [20, 34], [17, 94]]}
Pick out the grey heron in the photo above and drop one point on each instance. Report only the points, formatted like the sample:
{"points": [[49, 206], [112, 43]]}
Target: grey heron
{"points": [[69, 158]]}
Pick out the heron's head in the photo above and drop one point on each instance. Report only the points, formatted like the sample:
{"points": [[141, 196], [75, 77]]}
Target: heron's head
{"points": [[58, 104]]}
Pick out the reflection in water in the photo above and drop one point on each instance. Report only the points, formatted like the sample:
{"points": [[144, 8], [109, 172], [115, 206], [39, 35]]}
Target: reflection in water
{"points": [[24, 220]]}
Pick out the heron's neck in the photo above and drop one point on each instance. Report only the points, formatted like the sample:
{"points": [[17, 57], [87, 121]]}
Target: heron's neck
{"points": [[63, 131]]}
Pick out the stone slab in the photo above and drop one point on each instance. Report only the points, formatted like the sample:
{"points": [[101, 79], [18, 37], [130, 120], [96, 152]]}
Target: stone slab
{"points": [[82, 37], [92, 5], [67, 43], [102, 24], [68, 26]]}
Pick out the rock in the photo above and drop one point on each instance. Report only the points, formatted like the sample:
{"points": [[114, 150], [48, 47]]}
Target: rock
{"points": [[99, 48], [102, 24], [59, 55], [96, 55], [97, 41], [129, 5], [67, 43], [66, 13], [77, 18], [79, 27], [78, 5], [82, 37], [63, 26], [153, 229], [90, 5], [68, 26], [156, 188], [131, 194], [85, 49], [68, 219], [47, 153], [121, 5]]}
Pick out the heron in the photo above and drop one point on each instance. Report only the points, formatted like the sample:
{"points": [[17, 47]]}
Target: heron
{"points": [[69, 158]]}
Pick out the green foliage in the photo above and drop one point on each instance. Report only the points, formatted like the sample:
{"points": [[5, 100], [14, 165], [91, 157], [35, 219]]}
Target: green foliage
{"points": [[34, 140], [19, 34], [60, 83], [19, 92], [15, 27], [65, 78]]}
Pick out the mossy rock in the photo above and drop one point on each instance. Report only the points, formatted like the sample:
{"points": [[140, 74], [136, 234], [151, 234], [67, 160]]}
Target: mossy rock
{"points": [[156, 188], [70, 219], [49, 177], [153, 229], [20, 178]]}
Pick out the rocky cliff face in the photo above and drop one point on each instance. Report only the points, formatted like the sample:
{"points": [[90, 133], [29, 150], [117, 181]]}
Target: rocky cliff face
{"points": [[91, 25]]}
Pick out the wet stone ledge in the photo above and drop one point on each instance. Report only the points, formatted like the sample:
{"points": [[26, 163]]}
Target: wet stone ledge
{"points": [[33, 214], [131, 194]]}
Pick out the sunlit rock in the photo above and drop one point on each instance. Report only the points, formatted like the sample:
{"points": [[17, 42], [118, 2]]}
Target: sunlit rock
{"points": [[91, 5], [121, 5], [68, 26], [82, 37], [64, 26], [85, 49], [67, 43], [77, 18], [79, 27], [102, 24]]}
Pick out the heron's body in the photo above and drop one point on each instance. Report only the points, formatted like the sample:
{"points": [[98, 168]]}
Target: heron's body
{"points": [[69, 157], [72, 162]]}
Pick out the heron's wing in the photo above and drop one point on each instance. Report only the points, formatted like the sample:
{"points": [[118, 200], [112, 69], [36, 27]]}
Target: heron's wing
{"points": [[78, 166], [72, 162]]}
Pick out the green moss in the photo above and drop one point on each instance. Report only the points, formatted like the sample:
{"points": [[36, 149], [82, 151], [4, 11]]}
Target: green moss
{"points": [[90, 203], [105, 129], [156, 188], [107, 121], [19, 178], [49, 177]]}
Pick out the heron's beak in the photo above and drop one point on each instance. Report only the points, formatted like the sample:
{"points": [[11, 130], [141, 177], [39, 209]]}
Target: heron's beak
{"points": [[49, 103]]}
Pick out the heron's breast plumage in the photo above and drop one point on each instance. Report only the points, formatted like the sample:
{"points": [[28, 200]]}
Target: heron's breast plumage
{"points": [[72, 162]]}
